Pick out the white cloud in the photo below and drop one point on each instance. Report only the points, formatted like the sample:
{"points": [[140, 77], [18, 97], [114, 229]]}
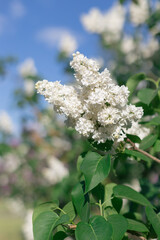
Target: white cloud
{"points": [[17, 9], [52, 35]]}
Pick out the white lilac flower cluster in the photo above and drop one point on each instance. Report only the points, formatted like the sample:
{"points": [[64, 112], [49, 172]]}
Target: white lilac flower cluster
{"points": [[27, 225], [139, 12], [149, 48], [29, 88], [128, 44], [129, 48], [102, 23], [16, 206], [10, 162], [138, 130], [27, 70], [68, 44], [135, 50], [55, 171], [6, 124], [97, 108]]}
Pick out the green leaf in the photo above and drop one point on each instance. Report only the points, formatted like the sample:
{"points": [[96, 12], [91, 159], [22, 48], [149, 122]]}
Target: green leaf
{"points": [[134, 81], [4, 148], [134, 138], [119, 225], [62, 219], [60, 236], [117, 203], [95, 169], [108, 194], [109, 211], [147, 110], [121, 191], [157, 146], [155, 121], [154, 220], [115, 164], [153, 19], [136, 226], [148, 141], [79, 162], [69, 210], [44, 207], [101, 146], [122, 1], [138, 155], [98, 192], [81, 201], [135, 1], [97, 229], [44, 224], [109, 199], [112, 205], [146, 95]]}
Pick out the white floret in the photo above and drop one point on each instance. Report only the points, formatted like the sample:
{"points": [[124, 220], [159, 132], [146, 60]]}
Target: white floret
{"points": [[84, 126], [109, 115]]}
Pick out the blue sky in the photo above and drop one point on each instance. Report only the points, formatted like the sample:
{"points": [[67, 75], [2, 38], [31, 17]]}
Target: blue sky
{"points": [[20, 25]]}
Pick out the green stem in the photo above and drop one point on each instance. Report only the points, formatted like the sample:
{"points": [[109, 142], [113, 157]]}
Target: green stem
{"points": [[61, 210], [156, 83], [101, 208], [108, 200]]}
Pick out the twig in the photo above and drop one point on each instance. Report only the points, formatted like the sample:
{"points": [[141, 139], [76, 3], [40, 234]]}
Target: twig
{"points": [[70, 226], [135, 237], [143, 152]]}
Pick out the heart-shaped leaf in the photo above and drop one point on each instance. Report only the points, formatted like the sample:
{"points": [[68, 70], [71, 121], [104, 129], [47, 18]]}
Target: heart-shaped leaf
{"points": [[48, 206], [97, 229], [95, 169], [44, 224]]}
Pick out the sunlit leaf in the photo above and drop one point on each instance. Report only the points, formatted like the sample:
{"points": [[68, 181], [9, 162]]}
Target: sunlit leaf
{"points": [[97, 229], [95, 169], [125, 192]]}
